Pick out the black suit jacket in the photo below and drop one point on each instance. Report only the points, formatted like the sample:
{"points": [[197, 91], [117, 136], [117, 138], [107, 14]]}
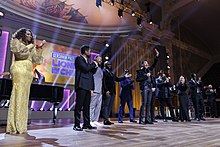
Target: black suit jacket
{"points": [[84, 74], [109, 79]]}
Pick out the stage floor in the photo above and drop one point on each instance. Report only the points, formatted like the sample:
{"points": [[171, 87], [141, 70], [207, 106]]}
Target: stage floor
{"points": [[172, 134]]}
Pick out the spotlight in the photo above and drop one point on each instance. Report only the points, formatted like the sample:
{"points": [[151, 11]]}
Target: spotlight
{"points": [[69, 109], [168, 57], [168, 67], [106, 44], [106, 58], [98, 3], [132, 13], [150, 22], [41, 109], [51, 109], [112, 2], [2, 14], [139, 20], [60, 109], [120, 13]]}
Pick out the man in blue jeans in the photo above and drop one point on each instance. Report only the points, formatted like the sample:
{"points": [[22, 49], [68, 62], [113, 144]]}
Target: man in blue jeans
{"points": [[127, 86]]}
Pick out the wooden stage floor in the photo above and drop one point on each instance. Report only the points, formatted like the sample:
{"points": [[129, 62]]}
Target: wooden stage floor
{"points": [[169, 134]]}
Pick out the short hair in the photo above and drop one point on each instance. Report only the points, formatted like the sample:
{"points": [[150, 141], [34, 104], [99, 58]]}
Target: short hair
{"points": [[106, 63], [192, 75], [126, 71], [97, 56], [84, 48]]}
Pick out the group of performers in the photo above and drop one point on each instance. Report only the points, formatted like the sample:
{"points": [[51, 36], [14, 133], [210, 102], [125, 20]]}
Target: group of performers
{"points": [[102, 84], [95, 89]]}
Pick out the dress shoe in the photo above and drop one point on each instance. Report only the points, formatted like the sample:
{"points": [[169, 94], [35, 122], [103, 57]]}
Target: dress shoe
{"points": [[188, 120], [89, 127], [175, 120], [202, 118], [107, 122], [77, 128], [120, 121], [164, 120], [141, 122], [133, 121], [112, 123], [155, 121], [147, 122]]}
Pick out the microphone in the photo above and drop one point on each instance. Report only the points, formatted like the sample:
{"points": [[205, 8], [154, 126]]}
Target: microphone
{"points": [[41, 45]]}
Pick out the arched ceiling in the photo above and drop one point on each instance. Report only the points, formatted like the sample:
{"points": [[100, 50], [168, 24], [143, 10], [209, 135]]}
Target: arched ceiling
{"points": [[201, 17], [80, 15]]}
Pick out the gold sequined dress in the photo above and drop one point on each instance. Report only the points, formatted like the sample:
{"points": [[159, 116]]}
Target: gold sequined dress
{"points": [[22, 75]]}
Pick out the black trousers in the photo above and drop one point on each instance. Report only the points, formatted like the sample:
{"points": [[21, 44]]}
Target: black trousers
{"points": [[152, 107], [198, 103], [184, 107], [146, 104], [212, 104], [83, 98], [168, 102], [107, 104]]}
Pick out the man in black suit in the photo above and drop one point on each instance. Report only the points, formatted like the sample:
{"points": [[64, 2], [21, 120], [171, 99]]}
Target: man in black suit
{"points": [[146, 82], [109, 79], [84, 83], [195, 87]]}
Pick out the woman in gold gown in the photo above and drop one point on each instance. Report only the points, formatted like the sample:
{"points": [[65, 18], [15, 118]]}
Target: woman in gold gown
{"points": [[26, 54]]}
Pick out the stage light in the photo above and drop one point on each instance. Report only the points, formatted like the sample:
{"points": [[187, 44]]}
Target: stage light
{"points": [[51, 109], [69, 109], [112, 2], [120, 13], [132, 13], [2, 14], [139, 20], [98, 3], [150, 22], [168, 67], [168, 57], [61, 109], [106, 58], [41, 109]]}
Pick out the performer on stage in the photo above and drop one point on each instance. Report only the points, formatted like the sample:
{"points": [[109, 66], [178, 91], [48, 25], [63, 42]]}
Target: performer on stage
{"points": [[163, 93], [211, 95], [146, 82], [127, 86], [84, 83], [26, 53], [181, 86], [195, 87], [96, 97], [109, 79]]}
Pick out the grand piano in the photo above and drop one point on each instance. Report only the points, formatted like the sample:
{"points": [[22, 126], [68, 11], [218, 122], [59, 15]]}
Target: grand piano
{"points": [[38, 92]]}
